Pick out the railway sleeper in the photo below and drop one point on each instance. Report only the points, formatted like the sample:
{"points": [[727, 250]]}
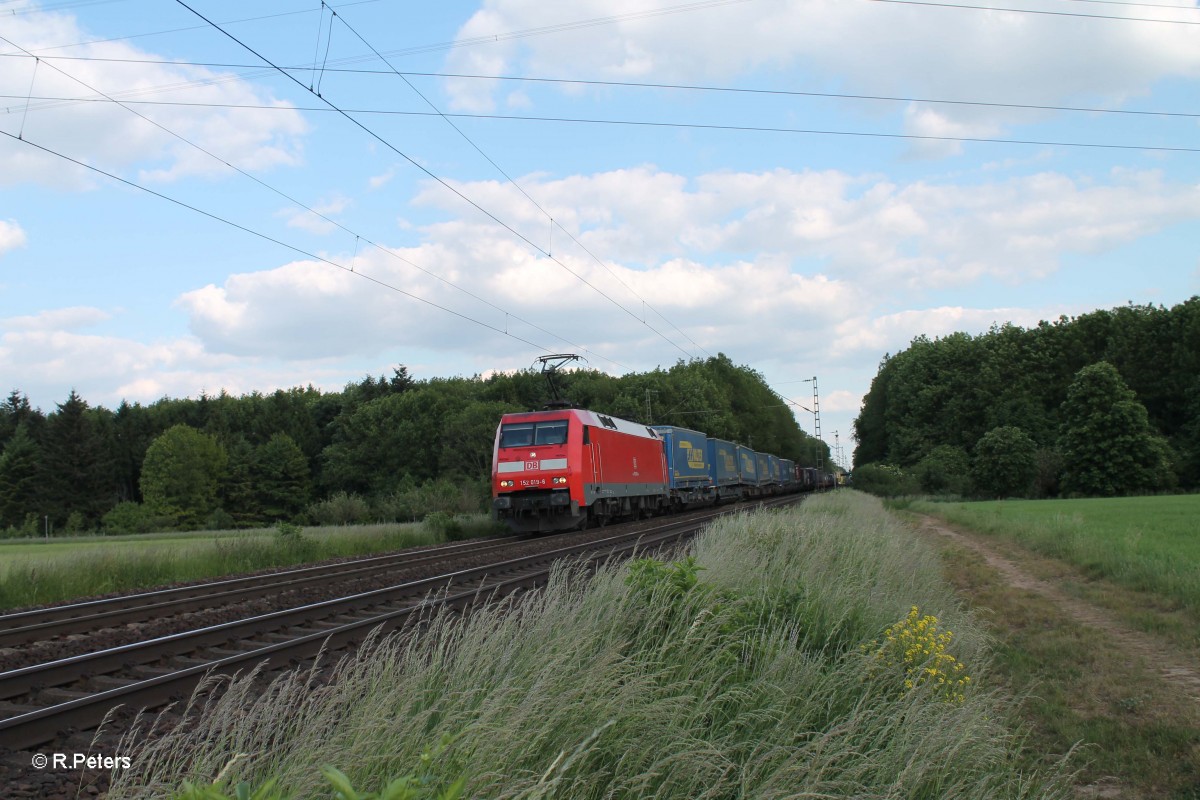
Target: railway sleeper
{"points": [[144, 672], [226, 652], [54, 695], [190, 661], [8, 709], [102, 683]]}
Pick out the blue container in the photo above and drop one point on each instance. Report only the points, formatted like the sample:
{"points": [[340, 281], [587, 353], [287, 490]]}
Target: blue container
{"points": [[687, 456], [787, 471], [775, 476], [747, 466], [764, 468], [723, 462]]}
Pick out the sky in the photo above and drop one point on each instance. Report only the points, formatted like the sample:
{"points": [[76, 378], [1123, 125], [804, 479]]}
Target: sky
{"points": [[206, 195]]}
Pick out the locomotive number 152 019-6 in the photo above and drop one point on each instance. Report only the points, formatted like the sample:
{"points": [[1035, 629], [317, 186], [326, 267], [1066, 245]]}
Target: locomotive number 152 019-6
{"points": [[533, 482]]}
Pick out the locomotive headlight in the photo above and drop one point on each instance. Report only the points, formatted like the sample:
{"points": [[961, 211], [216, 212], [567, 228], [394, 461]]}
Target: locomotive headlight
{"points": [[560, 480], [506, 484]]}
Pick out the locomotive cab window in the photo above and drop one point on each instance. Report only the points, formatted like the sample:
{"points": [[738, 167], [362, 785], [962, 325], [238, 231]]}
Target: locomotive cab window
{"points": [[516, 435], [551, 433], [528, 434]]}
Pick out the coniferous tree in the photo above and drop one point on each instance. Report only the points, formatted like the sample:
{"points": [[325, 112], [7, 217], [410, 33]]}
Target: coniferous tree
{"points": [[238, 496], [20, 479], [77, 464], [16, 409], [281, 478]]}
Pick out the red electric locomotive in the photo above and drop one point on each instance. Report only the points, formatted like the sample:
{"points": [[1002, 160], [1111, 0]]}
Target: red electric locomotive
{"points": [[557, 470]]}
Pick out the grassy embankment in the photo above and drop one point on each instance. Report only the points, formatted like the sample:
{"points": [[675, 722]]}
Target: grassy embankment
{"points": [[34, 572], [1136, 558], [761, 669], [1147, 544]]}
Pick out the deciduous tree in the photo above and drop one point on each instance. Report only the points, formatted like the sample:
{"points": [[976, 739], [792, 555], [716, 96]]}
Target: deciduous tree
{"points": [[1005, 462], [181, 474], [1107, 443]]}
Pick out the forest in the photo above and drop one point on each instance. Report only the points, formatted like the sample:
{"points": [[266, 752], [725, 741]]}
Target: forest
{"points": [[1106, 403], [382, 449]]}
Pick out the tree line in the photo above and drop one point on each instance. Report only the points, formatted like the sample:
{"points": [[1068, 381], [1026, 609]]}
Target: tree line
{"points": [[1103, 404], [386, 448]]}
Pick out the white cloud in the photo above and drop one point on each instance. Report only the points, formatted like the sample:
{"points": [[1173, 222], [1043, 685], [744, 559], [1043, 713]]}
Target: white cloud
{"points": [[112, 137], [769, 262], [11, 236], [841, 400], [877, 48], [50, 357], [317, 221], [381, 180], [893, 332], [62, 319], [919, 235]]}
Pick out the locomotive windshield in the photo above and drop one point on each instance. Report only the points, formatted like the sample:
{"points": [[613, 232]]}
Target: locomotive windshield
{"points": [[526, 434]]}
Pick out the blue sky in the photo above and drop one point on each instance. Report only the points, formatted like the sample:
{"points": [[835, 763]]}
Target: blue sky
{"points": [[260, 236]]}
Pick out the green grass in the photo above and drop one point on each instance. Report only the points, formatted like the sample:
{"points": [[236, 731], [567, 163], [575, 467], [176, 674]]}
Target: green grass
{"points": [[748, 672], [36, 572], [1147, 544], [1136, 736]]}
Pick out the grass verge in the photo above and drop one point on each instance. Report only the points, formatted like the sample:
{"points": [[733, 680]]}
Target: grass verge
{"points": [[1147, 544], [37, 573], [1136, 737], [771, 663]]}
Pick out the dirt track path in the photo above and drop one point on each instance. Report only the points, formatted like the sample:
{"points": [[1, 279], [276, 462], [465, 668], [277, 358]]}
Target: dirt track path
{"points": [[1152, 650]]}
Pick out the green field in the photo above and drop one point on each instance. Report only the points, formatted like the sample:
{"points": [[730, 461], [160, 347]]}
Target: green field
{"points": [[1149, 544], [40, 571], [14, 553]]}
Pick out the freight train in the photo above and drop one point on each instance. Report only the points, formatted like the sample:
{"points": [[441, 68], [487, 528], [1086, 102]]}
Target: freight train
{"points": [[565, 469]]}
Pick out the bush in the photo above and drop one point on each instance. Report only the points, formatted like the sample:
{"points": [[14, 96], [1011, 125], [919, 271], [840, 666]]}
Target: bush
{"points": [[1005, 463], [220, 520], [130, 517], [444, 525], [1047, 471], [340, 509], [944, 471], [411, 502], [885, 480]]}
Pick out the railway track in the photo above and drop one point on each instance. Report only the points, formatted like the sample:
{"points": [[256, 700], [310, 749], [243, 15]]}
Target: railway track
{"points": [[48, 702], [56, 621]]}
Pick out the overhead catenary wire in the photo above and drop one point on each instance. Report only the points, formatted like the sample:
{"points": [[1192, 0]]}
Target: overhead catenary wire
{"points": [[337, 224], [272, 239], [650, 124], [518, 186], [428, 48], [430, 173], [588, 82], [1040, 12]]}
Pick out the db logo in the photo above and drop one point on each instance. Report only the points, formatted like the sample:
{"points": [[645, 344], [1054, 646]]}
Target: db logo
{"points": [[531, 466]]}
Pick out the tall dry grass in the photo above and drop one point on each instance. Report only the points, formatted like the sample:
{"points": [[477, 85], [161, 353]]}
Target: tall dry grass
{"points": [[753, 676]]}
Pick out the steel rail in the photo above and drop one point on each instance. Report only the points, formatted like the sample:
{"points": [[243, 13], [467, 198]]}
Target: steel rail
{"points": [[36, 727], [44, 623]]}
